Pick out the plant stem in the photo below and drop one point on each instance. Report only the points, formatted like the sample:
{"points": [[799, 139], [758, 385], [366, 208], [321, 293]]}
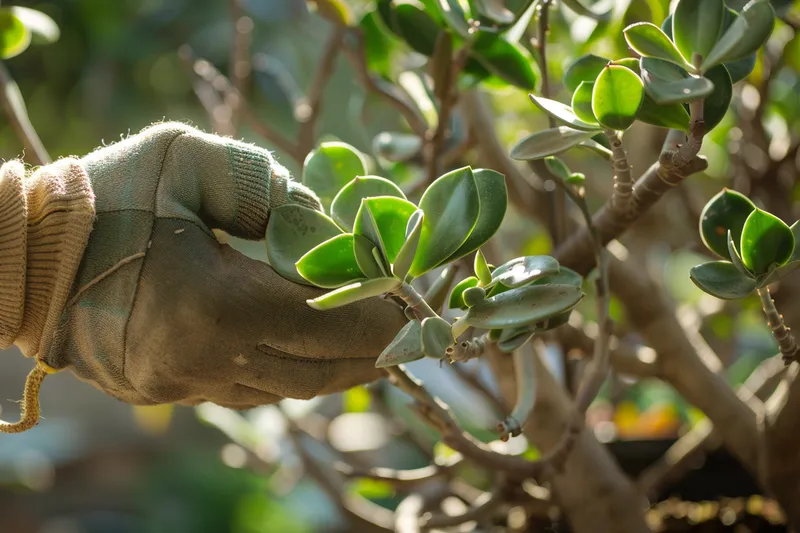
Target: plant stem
{"points": [[525, 372], [415, 301], [14, 106], [623, 182], [781, 332]]}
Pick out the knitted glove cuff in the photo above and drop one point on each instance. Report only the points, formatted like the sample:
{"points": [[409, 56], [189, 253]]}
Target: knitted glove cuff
{"points": [[13, 237], [61, 210]]}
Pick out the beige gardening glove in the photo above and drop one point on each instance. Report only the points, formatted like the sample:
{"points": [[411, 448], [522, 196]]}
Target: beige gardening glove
{"points": [[109, 267]]}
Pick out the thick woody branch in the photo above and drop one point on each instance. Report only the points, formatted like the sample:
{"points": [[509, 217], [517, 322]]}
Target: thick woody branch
{"points": [[623, 182]]}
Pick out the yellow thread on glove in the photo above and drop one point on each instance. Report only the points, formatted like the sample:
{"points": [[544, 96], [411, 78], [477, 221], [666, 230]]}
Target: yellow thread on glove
{"points": [[30, 399]]}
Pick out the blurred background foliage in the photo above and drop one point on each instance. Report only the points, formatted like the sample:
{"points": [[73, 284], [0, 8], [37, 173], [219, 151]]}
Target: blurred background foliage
{"points": [[96, 466]]}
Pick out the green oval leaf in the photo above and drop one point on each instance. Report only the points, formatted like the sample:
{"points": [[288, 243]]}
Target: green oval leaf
{"points": [[736, 259], [437, 336], [457, 295], [766, 240], [395, 147], [493, 196], [371, 266], [383, 220], [44, 29], [347, 202], [451, 205], [741, 68], [523, 306], [558, 168], [354, 292], [665, 71], [292, 231], [671, 92], [727, 210], [405, 256], [455, 16], [722, 279], [563, 113], [549, 142], [648, 40], [515, 342], [696, 26], [673, 116], [404, 348], [564, 276], [473, 296], [328, 168], [523, 270], [481, 269], [331, 264], [14, 36], [579, 8], [416, 27], [716, 105], [507, 61], [582, 102], [585, 69], [748, 33], [616, 97], [495, 10]]}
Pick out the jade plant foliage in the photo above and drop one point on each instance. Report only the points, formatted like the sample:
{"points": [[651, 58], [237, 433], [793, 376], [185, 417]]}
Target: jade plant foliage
{"points": [[756, 247], [373, 241], [700, 51]]}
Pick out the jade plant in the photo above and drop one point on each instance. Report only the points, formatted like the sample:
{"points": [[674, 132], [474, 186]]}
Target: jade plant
{"points": [[373, 242]]}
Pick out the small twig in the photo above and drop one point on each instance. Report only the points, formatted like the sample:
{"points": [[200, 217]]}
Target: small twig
{"points": [[623, 182], [697, 130], [325, 70], [473, 381], [468, 349], [214, 80], [407, 108], [240, 66], [14, 107], [781, 332], [401, 479], [482, 508], [362, 511]]}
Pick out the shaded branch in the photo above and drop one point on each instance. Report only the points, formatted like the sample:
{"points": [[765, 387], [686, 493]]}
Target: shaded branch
{"points": [[785, 339]]}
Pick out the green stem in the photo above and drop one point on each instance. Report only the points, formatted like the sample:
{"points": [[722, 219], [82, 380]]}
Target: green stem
{"points": [[781, 332]]}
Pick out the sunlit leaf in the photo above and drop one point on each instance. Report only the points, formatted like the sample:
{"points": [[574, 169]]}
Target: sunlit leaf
{"points": [[616, 97], [481, 269], [736, 259], [456, 296], [671, 92], [558, 168], [371, 266], [522, 306], [292, 231], [383, 220], [716, 105], [331, 264], [437, 336], [582, 102], [696, 26], [523, 270], [405, 348], [562, 113], [549, 142], [507, 61], [585, 68], [405, 257], [44, 29], [748, 33], [495, 10], [473, 296], [328, 168], [727, 210], [451, 205], [353, 293], [14, 36], [347, 202], [493, 196], [456, 17], [722, 279], [766, 240], [648, 40]]}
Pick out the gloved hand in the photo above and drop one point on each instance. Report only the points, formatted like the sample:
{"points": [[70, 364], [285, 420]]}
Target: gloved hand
{"points": [[124, 283]]}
